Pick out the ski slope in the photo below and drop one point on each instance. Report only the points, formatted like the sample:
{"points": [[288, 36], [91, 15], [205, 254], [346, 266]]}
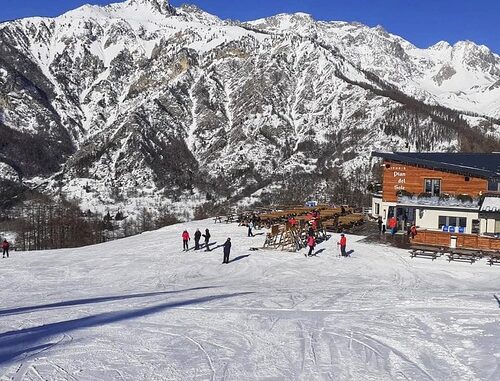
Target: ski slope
{"points": [[141, 309]]}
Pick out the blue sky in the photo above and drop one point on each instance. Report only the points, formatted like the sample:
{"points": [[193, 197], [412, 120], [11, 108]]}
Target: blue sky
{"points": [[423, 22]]}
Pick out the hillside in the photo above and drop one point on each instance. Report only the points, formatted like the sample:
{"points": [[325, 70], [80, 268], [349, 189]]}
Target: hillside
{"points": [[141, 103], [141, 309]]}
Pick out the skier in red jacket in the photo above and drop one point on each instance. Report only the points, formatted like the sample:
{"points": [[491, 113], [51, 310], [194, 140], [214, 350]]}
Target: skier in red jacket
{"points": [[343, 244], [5, 247], [185, 239], [311, 242]]}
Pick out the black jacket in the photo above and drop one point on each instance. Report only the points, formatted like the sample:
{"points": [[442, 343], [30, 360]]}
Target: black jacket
{"points": [[227, 247], [197, 235], [207, 236]]}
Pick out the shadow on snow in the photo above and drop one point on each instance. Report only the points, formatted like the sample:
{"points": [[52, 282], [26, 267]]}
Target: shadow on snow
{"points": [[19, 310], [22, 341], [239, 258]]}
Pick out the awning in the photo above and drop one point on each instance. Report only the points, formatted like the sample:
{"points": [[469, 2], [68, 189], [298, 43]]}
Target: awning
{"points": [[490, 205]]}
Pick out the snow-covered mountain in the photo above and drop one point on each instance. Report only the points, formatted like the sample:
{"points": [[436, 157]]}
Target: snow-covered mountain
{"points": [[143, 100]]}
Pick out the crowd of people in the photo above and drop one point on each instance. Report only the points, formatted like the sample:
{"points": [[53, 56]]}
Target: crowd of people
{"points": [[311, 239], [186, 238]]}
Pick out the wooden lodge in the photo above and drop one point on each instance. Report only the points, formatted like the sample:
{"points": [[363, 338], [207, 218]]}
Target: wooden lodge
{"points": [[452, 198]]}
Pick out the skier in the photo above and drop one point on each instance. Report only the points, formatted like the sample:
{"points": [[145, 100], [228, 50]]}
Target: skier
{"points": [[197, 236], [311, 243], [227, 250], [5, 247], [185, 239], [250, 227], [207, 239], [379, 222], [343, 244]]}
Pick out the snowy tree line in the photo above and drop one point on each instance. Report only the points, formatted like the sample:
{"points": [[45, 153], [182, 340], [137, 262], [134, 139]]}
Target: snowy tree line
{"points": [[41, 223]]}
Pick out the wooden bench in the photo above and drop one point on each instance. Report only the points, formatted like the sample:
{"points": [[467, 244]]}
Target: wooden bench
{"points": [[426, 251], [229, 219], [464, 255], [494, 258]]}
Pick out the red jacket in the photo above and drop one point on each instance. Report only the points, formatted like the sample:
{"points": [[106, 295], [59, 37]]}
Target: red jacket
{"points": [[5, 245], [343, 241], [185, 236], [393, 222], [311, 242]]}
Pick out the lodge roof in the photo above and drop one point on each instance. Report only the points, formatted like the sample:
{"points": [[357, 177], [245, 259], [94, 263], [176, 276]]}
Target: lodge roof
{"points": [[491, 204], [485, 165]]}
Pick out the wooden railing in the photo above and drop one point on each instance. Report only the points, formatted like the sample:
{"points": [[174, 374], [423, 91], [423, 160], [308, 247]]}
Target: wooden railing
{"points": [[465, 241]]}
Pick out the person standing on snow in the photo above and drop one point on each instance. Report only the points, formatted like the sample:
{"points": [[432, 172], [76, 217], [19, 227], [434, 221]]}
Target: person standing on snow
{"points": [[5, 247], [227, 250], [250, 227], [185, 239], [311, 243], [207, 239], [197, 237], [343, 244], [379, 223]]}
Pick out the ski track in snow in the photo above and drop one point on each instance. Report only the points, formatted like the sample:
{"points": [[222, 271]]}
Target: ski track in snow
{"points": [[141, 309]]}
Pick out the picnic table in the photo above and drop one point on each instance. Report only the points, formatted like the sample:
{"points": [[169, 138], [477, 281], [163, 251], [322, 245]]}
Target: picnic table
{"points": [[464, 255], [494, 258], [426, 251]]}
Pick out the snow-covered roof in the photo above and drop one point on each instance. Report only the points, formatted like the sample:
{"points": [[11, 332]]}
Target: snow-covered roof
{"points": [[491, 204], [485, 165]]}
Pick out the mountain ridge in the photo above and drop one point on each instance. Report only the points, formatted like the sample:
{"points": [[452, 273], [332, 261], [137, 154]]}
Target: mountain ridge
{"points": [[181, 104]]}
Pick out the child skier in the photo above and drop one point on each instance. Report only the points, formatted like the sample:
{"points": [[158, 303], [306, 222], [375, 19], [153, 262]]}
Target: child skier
{"points": [[185, 239], [343, 243], [311, 242]]}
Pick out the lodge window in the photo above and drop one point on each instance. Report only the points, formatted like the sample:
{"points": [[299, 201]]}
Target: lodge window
{"points": [[452, 221], [494, 186], [377, 209], [432, 186]]}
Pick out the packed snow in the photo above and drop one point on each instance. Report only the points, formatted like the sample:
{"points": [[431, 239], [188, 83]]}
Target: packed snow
{"points": [[141, 309]]}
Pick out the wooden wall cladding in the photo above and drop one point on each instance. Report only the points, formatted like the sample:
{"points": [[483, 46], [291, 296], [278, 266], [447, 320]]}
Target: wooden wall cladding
{"points": [[464, 241], [410, 178]]}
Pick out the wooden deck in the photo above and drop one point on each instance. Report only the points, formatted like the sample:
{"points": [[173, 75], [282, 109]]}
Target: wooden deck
{"points": [[470, 248], [464, 241]]}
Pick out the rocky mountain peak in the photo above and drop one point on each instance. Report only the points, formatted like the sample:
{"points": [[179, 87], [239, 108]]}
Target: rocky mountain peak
{"points": [[161, 6], [441, 45]]}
